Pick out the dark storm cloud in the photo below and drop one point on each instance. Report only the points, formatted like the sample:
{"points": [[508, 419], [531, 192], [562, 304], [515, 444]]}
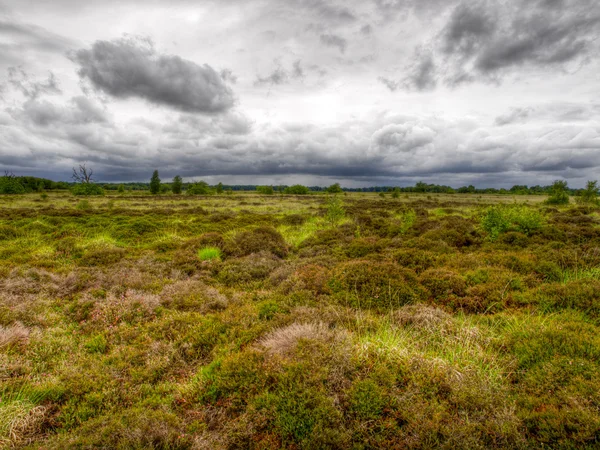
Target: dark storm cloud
{"points": [[332, 40], [486, 40], [132, 68], [20, 80]]}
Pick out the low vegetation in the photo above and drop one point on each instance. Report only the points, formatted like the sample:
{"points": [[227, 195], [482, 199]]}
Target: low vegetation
{"points": [[339, 320]]}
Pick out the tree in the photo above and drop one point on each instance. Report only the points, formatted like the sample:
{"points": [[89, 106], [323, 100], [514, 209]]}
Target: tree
{"points": [[220, 188], [335, 189], [9, 184], [177, 184], [297, 189], [155, 183], [558, 193], [199, 188], [265, 190], [590, 194], [83, 174], [335, 211], [121, 189]]}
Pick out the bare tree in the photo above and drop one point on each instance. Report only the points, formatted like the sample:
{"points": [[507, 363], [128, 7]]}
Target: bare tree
{"points": [[9, 174], [82, 174]]}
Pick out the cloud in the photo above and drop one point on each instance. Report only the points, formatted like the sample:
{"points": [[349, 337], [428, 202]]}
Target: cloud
{"points": [[20, 80], [132, 68], [484, 40], [514, 116], [332, 40], [280, 75]]}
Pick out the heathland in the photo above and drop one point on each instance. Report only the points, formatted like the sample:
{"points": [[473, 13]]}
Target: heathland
{"points": [[305, 322]]}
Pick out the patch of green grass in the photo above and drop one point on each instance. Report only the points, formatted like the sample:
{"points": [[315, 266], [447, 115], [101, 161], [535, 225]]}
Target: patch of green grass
{"points": [[209, 254]]}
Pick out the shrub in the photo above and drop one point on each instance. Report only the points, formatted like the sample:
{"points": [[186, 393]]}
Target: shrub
{"points": [[366, 400], [589, 195], [261, 239], [209, 254], [199, 188], [335, 212], [87, 189], [335, 189], [251, 268], [11, 185], [265, 190], [415, 259], [558, 194], [500, 219], [297, 189], [376, 285], [443, 283]]}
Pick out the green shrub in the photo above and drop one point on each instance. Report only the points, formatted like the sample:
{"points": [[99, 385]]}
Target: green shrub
{"points": [[335, 189], [209, 254], [11, 185], [378, 285], [258, 240], [199, 188], [177, 185], [558, 194], [297, 189], [97, 344], [500, 219], [265, 190], [102, 256], [443, 283], [335, 211]]}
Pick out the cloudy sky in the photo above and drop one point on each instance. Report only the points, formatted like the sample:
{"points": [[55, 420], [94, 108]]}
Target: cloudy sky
{"points": [[369, 92]]}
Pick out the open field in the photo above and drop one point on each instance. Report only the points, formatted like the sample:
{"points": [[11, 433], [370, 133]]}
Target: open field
{"points": [[247, 321]]}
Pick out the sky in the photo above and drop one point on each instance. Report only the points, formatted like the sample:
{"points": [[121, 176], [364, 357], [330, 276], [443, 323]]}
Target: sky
{"points": [[363, 93]]}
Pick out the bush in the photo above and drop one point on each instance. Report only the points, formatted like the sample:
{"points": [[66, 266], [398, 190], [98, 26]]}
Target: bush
{"points": [[176, 185], [443, 283], [335, 189], [87, 189], [376, 285], [297, 189], [335, 212], [102, 256], [558, 194], [11, 185], [199, 188], [500, 219], [260, 239], [265, 190], [255, 267]]}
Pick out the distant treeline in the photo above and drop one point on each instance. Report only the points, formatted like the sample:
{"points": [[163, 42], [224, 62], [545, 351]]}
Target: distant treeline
{"points": [[10, 184]]}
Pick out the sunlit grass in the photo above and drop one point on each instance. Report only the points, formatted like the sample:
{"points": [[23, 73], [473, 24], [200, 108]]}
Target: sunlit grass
{"points": [[209, 254]]}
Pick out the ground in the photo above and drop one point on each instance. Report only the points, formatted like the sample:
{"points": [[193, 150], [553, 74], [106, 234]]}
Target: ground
{"points": [[300, 322]]}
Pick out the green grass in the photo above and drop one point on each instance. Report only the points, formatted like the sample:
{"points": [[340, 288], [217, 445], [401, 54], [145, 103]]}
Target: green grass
{"points": [[209, 254], [248, 321]]}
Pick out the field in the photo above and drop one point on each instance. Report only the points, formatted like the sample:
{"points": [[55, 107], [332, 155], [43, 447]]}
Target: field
{"points": [[300, 322]]}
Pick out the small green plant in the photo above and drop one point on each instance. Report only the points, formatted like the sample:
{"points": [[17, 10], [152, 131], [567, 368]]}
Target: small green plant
{"points": [[335, 210], [209, 254], [121, 189], [500, 219]]}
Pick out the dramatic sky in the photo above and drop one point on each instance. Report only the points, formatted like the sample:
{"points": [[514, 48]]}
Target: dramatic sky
{"points": [[369, 92]]}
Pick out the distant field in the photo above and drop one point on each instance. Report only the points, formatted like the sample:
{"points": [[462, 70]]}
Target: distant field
{"points": [[300, 322]]}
